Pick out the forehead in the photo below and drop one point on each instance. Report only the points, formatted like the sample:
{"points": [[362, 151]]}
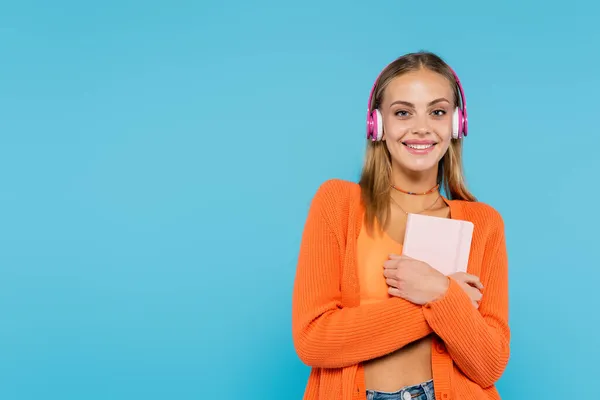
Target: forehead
{"points": [[418, 86]]}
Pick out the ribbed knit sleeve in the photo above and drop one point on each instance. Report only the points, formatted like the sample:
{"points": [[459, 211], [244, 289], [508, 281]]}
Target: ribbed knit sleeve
{"points": [[326, 334], [478, 339]]}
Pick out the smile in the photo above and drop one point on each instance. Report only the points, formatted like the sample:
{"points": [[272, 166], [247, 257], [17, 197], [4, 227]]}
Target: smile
{"points": [[419, 148]]}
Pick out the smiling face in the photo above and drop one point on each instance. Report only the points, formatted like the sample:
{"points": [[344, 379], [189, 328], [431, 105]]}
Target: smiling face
{"points": [[417, 110]]}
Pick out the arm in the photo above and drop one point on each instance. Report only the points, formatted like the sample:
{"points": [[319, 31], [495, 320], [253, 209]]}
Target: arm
{"points": [[326, 334], [477, 340]]}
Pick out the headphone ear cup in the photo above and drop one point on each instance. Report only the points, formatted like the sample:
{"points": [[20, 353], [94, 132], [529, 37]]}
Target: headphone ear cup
{"points": [[456, 124], [370, 123], [369, 126], [374, 126], [378, 125]]}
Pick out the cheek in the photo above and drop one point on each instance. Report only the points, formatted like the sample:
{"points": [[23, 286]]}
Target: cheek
{"points": [[445, 145], [444, 129], [395, 129]]}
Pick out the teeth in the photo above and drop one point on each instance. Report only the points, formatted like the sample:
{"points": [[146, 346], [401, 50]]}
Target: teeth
{"points": [[419, 146]]}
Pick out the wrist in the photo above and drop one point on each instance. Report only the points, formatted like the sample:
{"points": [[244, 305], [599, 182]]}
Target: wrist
{"points": [[441, 287]]}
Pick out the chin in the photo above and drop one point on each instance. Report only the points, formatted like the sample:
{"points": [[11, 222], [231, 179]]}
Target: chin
{"points": [[418, 167], [418, 163]]}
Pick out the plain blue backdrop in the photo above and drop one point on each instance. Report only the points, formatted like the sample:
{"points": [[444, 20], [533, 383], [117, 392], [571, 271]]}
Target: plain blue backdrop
{"points": [[157, 160]]}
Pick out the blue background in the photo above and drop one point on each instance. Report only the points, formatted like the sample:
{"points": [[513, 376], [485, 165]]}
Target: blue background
{"points": [[157, 161]]}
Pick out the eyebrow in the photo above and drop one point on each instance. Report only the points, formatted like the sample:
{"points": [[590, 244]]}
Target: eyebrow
{"points": [[406, 103]]}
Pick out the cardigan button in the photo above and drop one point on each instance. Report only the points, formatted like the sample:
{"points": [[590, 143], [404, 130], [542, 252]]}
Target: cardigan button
{"points": [[440, 347]]}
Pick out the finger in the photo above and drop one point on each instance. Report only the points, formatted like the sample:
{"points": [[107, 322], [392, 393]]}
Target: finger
{"points": [[478, 296], [473, 292], [389, 272], [390, 264], [472, 280], [477, 283], [395, 256], [460, 277], [394, 292], [402, 257], [475, 295], [392, 282]]}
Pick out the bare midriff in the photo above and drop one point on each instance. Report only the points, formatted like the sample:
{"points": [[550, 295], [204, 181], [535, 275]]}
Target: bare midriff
{"points": [[407, 366]]}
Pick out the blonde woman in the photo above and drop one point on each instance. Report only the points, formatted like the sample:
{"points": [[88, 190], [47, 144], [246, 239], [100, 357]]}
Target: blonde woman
{"points": [[371, 323]]}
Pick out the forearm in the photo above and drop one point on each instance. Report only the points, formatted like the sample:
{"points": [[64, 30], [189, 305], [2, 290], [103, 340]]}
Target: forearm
{"points": [[341, 337], [478, 345]]}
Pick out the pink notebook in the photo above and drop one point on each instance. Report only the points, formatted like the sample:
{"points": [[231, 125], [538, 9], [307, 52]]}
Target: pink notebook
{"points": [[443, 243]]}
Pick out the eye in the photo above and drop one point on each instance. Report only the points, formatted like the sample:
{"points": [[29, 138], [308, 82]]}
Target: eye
{"points": [[402, 113], [439, 113]]}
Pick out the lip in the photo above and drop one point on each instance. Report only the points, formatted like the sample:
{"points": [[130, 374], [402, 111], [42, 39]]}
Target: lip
{"points": [[415, 141], [419, 152]]}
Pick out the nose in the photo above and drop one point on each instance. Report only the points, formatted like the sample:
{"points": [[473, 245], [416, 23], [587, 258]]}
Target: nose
{"points": [[421, 130], [421, 126]]}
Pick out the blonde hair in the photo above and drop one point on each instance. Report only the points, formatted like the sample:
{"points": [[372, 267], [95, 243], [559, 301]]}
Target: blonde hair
{"points": [[375, 180]]}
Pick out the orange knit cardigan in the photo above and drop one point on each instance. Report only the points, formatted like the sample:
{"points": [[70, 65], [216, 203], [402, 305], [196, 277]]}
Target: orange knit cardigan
{"points": [[334, 334]]}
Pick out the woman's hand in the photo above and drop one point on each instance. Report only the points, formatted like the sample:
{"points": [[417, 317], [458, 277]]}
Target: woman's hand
{"points": [[414, 280], [471, 285]]}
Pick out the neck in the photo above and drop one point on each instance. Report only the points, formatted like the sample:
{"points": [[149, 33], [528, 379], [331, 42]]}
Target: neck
{"points": [[415, 182]]}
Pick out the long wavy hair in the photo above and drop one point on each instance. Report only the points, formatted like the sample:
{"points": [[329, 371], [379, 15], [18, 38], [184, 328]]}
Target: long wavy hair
{"points": [[375, 180]]}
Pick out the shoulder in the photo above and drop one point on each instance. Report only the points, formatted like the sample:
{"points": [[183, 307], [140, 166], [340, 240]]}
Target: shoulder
{"points": [[482, 215], [336, 202], [488, 221], [480, 210], [335, 192]]}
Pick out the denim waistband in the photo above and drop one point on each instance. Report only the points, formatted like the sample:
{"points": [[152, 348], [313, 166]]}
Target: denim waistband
{"points": [[422, 391]]}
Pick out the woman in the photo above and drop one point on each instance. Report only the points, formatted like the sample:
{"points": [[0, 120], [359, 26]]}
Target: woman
{"points": [[373, 324]]}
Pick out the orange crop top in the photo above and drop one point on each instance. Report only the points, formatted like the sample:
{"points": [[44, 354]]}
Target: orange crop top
{"points": [[371, 253]]}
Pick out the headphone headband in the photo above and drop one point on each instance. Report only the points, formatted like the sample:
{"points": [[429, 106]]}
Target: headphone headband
{"points": [[459, 118]]}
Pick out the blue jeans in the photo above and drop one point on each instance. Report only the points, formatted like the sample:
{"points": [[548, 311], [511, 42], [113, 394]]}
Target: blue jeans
{"points": [[424, 391]]}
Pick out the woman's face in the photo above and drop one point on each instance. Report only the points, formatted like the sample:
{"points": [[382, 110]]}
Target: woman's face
{"points": [[417, 110]]}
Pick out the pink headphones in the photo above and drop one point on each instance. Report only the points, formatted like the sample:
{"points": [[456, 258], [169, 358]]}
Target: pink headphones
{"points": [[459, 117]]}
